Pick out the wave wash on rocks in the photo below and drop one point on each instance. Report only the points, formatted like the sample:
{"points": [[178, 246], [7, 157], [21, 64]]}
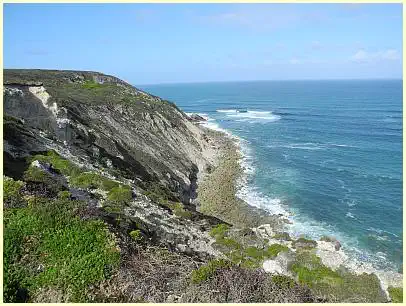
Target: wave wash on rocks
{"points": [[107, 174]]}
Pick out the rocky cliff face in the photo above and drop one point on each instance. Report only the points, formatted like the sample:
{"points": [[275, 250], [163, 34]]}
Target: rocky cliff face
{"points": [[99, 189], [103, 123], [108, 128]]}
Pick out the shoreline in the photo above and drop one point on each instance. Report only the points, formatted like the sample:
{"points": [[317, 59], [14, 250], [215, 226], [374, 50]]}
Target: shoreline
{"points": [[230, 175]]}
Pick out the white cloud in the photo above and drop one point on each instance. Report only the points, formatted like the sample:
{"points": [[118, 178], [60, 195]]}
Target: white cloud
{"points": [[294, 61], [391, 54], [362, 56], [264, 17]]}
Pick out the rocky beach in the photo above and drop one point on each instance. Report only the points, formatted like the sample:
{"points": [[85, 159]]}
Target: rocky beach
{"points": [[220, 187]]}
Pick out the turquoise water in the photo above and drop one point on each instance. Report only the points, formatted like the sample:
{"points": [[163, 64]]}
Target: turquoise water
{"points": [[329, 153]]}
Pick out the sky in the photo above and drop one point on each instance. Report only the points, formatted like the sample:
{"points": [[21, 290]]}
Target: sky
{"points": [[177, 43]]}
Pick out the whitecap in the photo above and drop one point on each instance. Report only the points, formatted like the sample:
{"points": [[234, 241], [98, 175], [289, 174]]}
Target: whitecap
{"points": [[300, 224], [227, 111], [259, 115], [350, 215]]}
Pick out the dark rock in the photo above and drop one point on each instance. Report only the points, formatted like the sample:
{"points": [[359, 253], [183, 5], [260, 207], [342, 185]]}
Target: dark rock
{"points": [[196, 118]]}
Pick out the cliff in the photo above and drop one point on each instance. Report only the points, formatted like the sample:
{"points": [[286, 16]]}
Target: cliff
{"points": [[101, 204]]}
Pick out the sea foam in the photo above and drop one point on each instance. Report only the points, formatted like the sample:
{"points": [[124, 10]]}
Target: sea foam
{"points": [[250, 115]]}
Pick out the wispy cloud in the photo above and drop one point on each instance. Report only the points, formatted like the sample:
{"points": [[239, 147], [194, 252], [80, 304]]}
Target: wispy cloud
{"points": [[316, 45], [294, 61], [264, 17], [363, 56]]}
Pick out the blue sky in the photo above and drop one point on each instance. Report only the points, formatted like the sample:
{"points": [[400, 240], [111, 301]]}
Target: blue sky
{"points": [[174, 43]]}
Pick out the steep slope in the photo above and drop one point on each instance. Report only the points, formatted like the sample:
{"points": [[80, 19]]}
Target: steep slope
{"points": [[108, 124]]}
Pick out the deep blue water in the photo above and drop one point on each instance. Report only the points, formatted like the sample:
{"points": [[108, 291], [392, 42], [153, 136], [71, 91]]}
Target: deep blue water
{"points": [[328, 151]]}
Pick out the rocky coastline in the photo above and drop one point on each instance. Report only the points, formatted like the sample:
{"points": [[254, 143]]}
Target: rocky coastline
{"points": [[115, 195], [220, 187]]}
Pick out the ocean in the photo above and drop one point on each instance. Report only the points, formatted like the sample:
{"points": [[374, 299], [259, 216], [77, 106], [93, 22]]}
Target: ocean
{"points": [[326, 154]]}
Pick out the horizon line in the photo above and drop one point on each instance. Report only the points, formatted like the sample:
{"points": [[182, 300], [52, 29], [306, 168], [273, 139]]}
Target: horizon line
{"points": [[273, 80]]}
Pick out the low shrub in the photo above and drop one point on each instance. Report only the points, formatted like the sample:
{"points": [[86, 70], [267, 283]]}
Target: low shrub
{"points": [[90, 84], [206, 271], [64, 166], [11, 193], [121, 194], [273, 250], [282, 236], [396, 294], [46, 245], [304, 243], [136, 235], [219, 230], [283, 281], [335, 286], [180, 211]]}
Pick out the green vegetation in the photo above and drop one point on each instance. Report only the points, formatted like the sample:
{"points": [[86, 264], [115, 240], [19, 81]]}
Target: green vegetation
{"points": [[275, 249], [335, 285], [87, 180], [90, 84], [180, 211], [248, 257], [158, 193], [304, 243], [282, 236], [64, 195], [77, 177], [219, 230], [283, 281], [121, 194], [206, 271], [62, 165], [38, 175], [11, 193], [396, 294], [46, 245], [136, 235]]}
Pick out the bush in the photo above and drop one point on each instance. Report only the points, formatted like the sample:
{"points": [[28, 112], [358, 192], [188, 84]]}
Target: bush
{"points": [[90, 84], [219, 230], [41, 177], [180, 211], [396, 294], [206, 271], [335, 286], [86, 180], [62, 165], [283, 281], [77, 177], [274, 249], [304, 243], [121, 194], [11, 193], [136, 235], [64, 195]]}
